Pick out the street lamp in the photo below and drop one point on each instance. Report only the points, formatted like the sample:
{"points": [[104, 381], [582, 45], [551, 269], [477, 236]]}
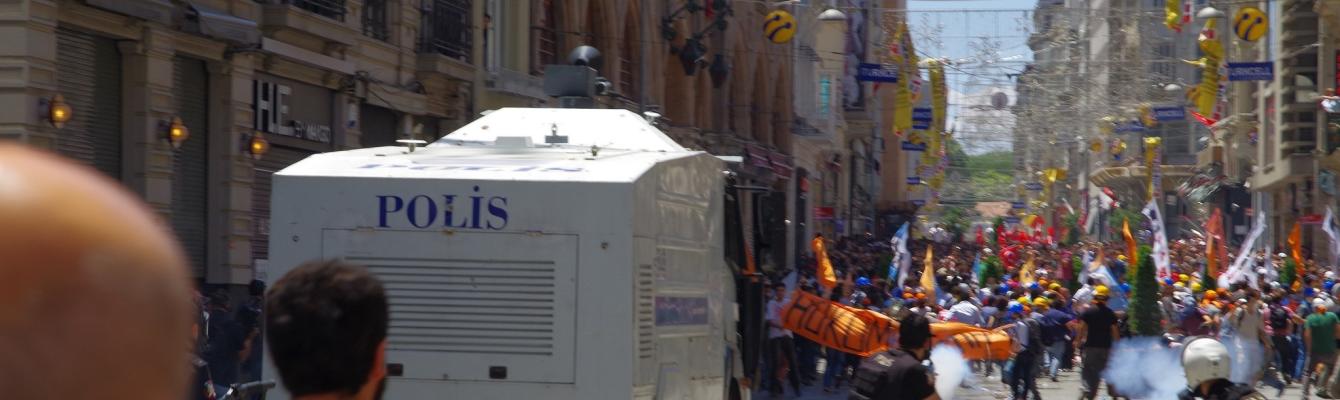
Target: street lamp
{"points": [[1210, 13]]}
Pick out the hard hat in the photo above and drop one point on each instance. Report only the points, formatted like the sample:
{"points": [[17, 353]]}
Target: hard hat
{"points": [[1178, 284], [1121, 257], [1211, 295], [1319, 303], [1054, 286], [1196, 287], [1329, 275], [1125, 287], [1183, 277], [1101, 291], [1041, 302], [862, 281], [1205, 359], [1281, 255], [1022, 300], [1033, 285], [1167, 281], [1015, 307], [921, 296], [1309, 292]]}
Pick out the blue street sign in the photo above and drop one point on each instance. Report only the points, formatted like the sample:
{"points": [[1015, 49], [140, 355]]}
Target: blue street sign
{"points": [[1251, 71], [914, 180], [1011, 220], [1171, 113], [921, 118], [869, 72], [918, 203], [909, 146], [1017, 205], [1034, 186], [1132, 126]]}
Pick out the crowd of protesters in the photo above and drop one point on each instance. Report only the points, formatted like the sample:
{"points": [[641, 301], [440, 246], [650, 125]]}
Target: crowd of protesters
{"points": [[1069, 318]]}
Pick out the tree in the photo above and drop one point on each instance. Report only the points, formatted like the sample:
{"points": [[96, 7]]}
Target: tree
{"points": [[956, 221], [990, 268], [1144, 309], [1071, 223], [1288, 273], [996, 225], [1077, 269]]}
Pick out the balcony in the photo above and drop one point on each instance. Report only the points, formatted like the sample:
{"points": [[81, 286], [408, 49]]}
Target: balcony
{"points": [[446, 29], [309, 21]]}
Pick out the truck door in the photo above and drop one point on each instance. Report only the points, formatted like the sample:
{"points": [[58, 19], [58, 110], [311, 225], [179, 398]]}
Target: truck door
{"points": [[472, 306]]}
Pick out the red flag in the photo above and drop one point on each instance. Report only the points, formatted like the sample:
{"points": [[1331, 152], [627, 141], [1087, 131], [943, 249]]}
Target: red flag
{"points": [[1203, 119], [981, 241]]}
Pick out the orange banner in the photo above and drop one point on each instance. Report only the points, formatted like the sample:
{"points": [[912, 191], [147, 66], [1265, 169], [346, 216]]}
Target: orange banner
{"points": [[824, 267], [847, 329], [864, 332]]}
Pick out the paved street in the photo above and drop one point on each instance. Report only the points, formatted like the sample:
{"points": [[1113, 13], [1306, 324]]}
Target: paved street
{"points": [[983, 389]]}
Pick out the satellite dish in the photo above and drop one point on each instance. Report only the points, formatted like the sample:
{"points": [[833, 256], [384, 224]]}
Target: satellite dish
{"points": [[1000, 100]]}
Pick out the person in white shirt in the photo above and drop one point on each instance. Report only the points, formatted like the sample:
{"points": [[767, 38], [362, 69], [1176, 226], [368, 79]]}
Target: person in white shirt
{"points": [[1084, 295], [780, 344], [964, 310]]}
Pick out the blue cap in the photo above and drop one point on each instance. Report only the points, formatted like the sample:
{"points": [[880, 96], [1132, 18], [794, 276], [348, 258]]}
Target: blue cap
{"points": [[1328, 285], [1167, 281], [1125, 287], [1034, 285], [862, 281], [1308, 291], [1015, 307]]}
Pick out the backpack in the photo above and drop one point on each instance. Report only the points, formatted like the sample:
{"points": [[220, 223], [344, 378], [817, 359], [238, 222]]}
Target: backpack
{"points": [[1279, 318], [1052, 331], [1035, 342], [870, 377]]}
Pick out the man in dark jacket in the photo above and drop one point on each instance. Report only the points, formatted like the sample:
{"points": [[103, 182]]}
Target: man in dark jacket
{"points": [[898, 374], [223, 342]]}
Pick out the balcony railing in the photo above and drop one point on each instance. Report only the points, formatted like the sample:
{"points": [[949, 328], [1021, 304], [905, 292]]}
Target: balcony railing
{"points": [[333, 9], [446, 29]]}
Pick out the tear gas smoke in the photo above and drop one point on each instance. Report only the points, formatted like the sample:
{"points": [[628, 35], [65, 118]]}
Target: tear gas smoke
{"points": [[1248, 356], [1145, 368], [951, 369]]}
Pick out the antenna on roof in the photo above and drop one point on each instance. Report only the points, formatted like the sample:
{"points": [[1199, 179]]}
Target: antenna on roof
{"points": [[554, 137]]}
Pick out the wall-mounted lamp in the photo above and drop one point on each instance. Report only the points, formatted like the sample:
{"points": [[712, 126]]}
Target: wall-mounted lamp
{"points": [[175, 132], [256, 145], [56, 111]]}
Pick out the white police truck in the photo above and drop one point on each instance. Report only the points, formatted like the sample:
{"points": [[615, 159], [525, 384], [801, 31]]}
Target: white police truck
{"points": [[532, 254]]}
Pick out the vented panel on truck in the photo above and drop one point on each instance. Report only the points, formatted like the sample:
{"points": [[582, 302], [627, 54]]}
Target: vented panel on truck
{"points": [[464, 302]]}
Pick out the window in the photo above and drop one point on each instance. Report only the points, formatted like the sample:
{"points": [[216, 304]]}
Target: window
{"points": [[374, 19], [446, 29], [326, 8], [494, 20], [629, 55], [545, 36]]}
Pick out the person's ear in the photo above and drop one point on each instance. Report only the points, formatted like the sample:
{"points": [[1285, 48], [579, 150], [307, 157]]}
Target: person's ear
{"points": [[378, 364]]}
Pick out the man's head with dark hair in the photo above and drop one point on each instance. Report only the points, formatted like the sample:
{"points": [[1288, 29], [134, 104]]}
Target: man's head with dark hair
{"points": [[326, 325], [256, 288], [914, 335]]}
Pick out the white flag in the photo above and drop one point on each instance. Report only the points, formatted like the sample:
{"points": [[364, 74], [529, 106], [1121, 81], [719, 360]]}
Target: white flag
{"points": [[1161, 257], [1241, 267], [1331, 234]]}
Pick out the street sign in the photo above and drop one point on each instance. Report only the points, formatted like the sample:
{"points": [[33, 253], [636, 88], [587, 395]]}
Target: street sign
{"points": [[823, 213], [869, 72], [918, 203], [1034, 186], [1310, 219], [1173, 113], [909, 146], [1131, 126], [921, 118], [914, 180], [1018, 205], [1251, 71], [1011, 220]]}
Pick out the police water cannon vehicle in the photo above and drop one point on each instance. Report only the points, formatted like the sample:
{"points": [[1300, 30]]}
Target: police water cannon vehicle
{"points": [[560, 253]]}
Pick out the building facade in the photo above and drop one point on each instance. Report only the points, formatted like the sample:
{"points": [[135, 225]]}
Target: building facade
{"points": [[261, 84]]}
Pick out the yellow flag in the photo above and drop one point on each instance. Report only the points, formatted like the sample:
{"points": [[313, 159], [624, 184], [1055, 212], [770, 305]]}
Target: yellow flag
{"points": [[825, 267], [1131, 251], [1026, 273], [1172, 16], [1097, 261], [928, 276]]}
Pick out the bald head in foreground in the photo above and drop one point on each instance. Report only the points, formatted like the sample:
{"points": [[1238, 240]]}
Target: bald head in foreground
{"points": [[95, 300]]}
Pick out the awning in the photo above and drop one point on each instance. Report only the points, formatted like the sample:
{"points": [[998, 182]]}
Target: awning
{"points": [[781, 165], [159, 11], [220, 25]]}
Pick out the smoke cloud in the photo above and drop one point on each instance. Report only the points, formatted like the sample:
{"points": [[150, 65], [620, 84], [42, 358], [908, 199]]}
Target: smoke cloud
{"points": [[1248, 356], [1144, 368], [951, 370]]}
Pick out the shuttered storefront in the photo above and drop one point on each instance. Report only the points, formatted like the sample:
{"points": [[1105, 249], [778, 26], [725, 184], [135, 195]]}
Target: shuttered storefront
{"points": [[378, 126], [276, 159], [88, 75], [190, 179]]}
